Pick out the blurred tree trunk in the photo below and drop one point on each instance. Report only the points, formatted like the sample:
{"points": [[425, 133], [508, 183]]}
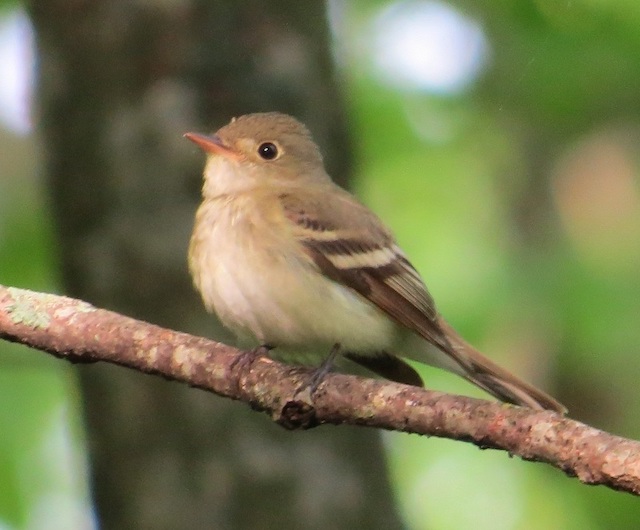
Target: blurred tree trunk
{"points": [[119, 83]]}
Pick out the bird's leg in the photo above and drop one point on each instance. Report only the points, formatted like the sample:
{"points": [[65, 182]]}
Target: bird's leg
{"points": [[246, 358], [319, 373]]}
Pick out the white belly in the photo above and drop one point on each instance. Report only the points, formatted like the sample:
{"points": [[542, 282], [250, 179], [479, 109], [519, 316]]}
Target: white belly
{"points": [[270, 292]]}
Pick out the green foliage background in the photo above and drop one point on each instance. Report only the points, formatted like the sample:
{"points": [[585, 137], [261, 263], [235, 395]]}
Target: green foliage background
{"points": [[524, 218]]}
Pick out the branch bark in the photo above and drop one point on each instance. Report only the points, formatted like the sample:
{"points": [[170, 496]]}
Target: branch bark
{"points": [[75, 330]]}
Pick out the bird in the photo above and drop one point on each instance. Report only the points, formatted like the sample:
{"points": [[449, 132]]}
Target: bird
{"points": [[290, 260]]}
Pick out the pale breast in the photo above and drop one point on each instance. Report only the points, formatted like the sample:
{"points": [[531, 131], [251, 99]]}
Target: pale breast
{"points": [[257, 279]]}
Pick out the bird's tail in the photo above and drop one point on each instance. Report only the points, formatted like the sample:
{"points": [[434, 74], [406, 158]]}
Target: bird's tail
{"points": [[494, 379]]}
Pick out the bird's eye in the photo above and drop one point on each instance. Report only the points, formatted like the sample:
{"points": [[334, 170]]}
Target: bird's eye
{"points": [[268, 151]]}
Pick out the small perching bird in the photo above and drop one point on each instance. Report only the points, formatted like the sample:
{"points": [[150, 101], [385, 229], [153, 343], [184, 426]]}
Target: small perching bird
{"points": [[282, 254]]}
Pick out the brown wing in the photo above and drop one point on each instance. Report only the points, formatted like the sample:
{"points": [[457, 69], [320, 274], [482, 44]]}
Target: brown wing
{"points": [[358, 252]]}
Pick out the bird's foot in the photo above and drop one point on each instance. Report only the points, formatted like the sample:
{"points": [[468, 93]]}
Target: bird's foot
{"points": [[318, 375], [245, 359]]}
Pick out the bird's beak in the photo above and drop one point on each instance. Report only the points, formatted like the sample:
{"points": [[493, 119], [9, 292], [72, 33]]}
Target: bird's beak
{"points": [[212, 144]]}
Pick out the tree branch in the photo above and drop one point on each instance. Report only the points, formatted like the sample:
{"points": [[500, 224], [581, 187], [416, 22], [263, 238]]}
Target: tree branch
{"points": [[76, 331]]}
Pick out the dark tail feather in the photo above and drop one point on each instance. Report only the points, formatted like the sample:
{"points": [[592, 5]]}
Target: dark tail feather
{"points": [[494, 379], [473, 366], [388, 366], [515, 391]]}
